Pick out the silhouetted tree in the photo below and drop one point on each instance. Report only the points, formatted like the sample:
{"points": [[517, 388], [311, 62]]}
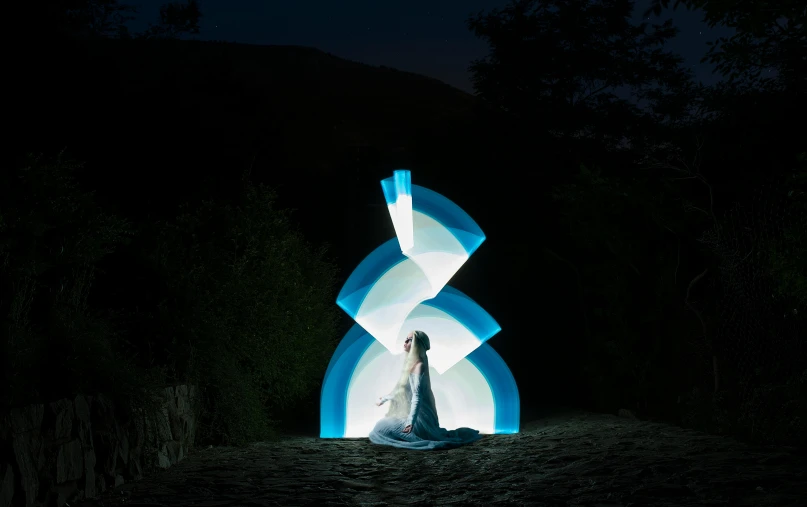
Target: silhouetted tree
{"points": [[247, 308], [176, 19], [569, 65], [92, 19], [769, 36], [84, 19], [53, 237], [789, 262]]}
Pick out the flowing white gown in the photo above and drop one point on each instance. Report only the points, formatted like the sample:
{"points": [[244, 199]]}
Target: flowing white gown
{"points": [[426, 432]]}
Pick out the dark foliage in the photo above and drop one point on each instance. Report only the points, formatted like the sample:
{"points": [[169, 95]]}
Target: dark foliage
{"points": [[769, 37], [53, 238], [665, 222], [45, 20], [176, 19], [248, 308], [670, 246], [227, 295], [66, 19], [575, 70]]}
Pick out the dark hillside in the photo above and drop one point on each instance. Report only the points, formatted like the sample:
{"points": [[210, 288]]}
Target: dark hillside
{"points": [[306, 122]]}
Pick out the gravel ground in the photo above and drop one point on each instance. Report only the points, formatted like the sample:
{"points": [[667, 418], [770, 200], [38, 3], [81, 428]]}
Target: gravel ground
{"points": [[574, 459]]}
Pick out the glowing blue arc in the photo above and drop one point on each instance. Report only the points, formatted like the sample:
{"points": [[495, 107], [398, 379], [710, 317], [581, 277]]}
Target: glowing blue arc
{"points": [[450, 300], [366, 274], [466, 311], [506, 401], [442, 210], [354, 346], [333, 401]]}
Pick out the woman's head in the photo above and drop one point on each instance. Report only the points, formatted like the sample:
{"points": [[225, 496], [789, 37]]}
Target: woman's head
{"points": [[415, 346], [417, 341]]}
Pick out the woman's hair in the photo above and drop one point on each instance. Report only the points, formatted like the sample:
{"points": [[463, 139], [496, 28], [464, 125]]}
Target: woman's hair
{"points": [[399, 405]]}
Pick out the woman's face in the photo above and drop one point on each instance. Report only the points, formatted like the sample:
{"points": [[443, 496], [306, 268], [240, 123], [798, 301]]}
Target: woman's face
{"points": [[408, 343]]}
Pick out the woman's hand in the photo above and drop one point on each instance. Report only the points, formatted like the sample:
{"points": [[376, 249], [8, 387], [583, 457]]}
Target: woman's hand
{"points": [[407, 428], [380, 401]]}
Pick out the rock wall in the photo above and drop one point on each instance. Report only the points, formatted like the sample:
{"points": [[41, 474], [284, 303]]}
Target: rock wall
{"points": [[74, 449]]}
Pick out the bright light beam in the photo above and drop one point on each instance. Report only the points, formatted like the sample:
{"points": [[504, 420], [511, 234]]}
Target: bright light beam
{"points": [[398, 194]]}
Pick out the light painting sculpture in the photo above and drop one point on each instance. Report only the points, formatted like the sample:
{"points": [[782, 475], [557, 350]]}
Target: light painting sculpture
{"points": [[402, 286]]}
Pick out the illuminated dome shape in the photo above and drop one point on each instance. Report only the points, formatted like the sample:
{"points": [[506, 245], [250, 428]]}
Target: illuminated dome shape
{"points": [[399, 287]]}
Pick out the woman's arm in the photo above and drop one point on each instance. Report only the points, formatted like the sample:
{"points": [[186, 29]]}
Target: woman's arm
{"points": [[384, 399], [387, 397], [414, 381]]}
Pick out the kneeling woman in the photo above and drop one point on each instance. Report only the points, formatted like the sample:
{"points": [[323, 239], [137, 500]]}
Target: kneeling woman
{"points": [[412, 422]]}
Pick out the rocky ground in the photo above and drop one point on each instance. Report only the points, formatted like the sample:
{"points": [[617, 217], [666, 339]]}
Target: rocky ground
{"points": [[573, 459]]}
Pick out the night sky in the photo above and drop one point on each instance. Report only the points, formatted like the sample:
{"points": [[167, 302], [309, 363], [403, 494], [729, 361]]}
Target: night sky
{"points": [[420, 36]]}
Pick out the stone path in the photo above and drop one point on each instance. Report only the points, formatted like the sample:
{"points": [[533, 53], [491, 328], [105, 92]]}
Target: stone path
{"points": [[575, 459]]}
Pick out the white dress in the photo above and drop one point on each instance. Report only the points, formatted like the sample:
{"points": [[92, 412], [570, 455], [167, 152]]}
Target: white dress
{"points": [[426, 432]]}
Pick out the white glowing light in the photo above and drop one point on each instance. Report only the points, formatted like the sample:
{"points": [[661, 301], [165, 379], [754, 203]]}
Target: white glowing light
{"points": [[435, 257], [462, 395], [401, 210]]}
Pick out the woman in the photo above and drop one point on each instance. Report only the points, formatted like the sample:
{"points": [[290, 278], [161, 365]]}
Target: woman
{"points": [[411, 422]]}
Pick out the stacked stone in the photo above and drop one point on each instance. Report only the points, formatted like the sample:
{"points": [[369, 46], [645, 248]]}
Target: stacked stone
{"points": [[68, 450]]}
